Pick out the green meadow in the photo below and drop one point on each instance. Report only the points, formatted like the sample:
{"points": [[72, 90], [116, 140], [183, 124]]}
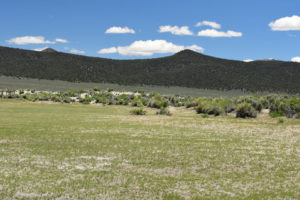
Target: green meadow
{"points": [[75, 151]]}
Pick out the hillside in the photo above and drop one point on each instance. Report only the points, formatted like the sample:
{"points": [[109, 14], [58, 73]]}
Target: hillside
{"points": [[186, 68]]}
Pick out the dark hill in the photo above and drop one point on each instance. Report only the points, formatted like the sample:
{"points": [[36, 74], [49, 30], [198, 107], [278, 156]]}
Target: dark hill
{"points": [[186, 68]]}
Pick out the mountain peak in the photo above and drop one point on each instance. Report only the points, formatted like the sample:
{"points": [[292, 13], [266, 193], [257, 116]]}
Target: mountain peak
{"points": [[49, 50], [187, 52]]}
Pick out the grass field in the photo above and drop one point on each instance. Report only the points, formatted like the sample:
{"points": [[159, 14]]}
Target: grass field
{"points": [[7, 82], [75, 151]]}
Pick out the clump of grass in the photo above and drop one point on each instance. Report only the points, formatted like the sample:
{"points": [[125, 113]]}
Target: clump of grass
{"points": [[280, 121], [245, 110], [205, 115], [276, 114], [210, 109], [164, 111], [97, 89], [138, 111]]}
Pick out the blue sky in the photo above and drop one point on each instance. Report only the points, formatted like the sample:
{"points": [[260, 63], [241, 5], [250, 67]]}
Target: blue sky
{"points": [[161, 27]]}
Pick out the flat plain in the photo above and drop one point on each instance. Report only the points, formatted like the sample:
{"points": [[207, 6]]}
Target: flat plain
{"points": [[75, 151], [13, 83]]}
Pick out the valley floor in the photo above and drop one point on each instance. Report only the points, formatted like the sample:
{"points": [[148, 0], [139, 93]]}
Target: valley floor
{"points": [[75, 151]]}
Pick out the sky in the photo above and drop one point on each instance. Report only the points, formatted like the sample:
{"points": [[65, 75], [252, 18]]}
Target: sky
{"points": [[130, 29]]}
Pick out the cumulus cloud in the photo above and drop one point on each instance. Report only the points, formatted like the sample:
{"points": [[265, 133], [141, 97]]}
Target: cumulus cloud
{"points": [[286, 24], [209, 23], [183, 30], [41, 49], [61, 40], [108, 50], [76, 51], [296, 59], [148, 48], [195, 48], [215, 33], [248, 60], [119, 30], [34, 40], [29, 40]]}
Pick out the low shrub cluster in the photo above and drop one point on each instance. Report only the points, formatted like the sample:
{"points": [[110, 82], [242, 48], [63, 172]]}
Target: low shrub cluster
{"points": [[213, 106], [245, 106], [138, 111], [245, 110]]}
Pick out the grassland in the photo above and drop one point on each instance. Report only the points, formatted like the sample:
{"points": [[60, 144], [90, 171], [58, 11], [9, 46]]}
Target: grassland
{"points": [[57, 85], [75, 151]]}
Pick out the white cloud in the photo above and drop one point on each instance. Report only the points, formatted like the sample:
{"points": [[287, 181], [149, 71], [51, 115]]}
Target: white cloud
{"points": [[29, 40], [61, 40], [286, 24], [148, 48], [296, 59], [183, 30], [76, 51], [119, 30], [41, 49], [209, 23], [108, 50], [248, 60], [34, 40], [195, 48], [215, 33]]}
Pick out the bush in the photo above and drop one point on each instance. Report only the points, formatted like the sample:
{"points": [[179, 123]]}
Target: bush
{"points": [[138, 111], [276, 114], [205, 115], [139, 101], [280, 121], [86, 100], [97, 89], [245, 110], [164, 111], [31, 97], [209, 108], [255, 102], [158, 101]]}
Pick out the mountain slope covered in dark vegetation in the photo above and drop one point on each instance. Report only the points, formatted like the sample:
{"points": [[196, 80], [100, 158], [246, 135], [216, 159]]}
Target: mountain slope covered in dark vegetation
{"points": [[186, 68]]}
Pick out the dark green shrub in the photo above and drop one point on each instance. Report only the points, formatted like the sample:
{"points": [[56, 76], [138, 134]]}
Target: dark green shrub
{"points": [[245, 110], [205, 115], [157, 101], [255, 102], [280, 121], [210, 108], [139, 101], [31, 97], [190, 104], [276, 114], [138, 111], [55, 98], [97, 89], [86, 100]]}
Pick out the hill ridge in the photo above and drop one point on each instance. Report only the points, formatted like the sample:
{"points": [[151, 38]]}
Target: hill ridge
{"points": [[186, 68]]}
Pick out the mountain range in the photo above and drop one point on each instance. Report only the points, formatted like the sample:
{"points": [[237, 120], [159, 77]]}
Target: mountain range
{"points": [[186, 68]]}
